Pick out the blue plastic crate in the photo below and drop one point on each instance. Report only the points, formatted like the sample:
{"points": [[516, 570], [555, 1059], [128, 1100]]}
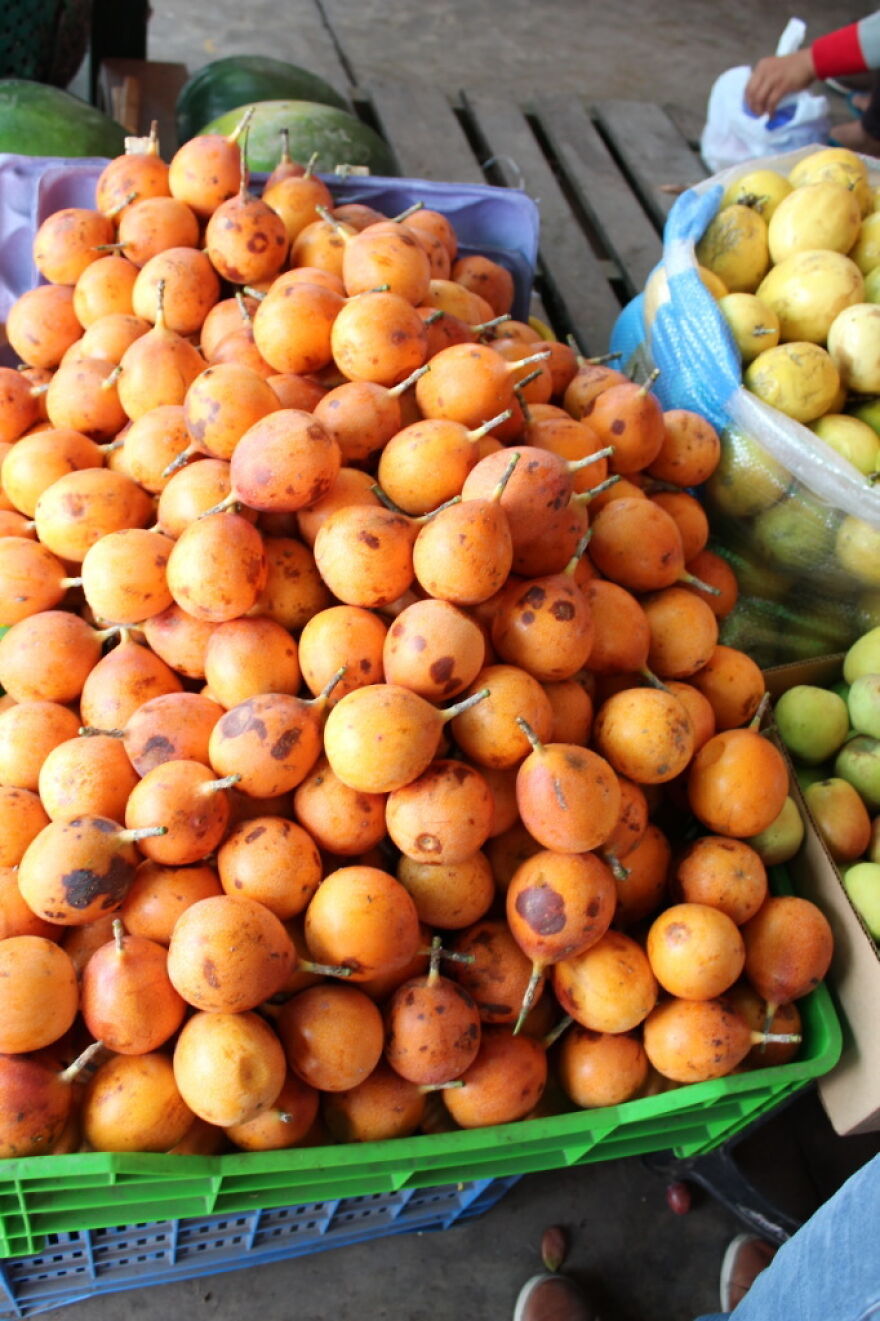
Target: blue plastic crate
{"points": [[81, 1265]]}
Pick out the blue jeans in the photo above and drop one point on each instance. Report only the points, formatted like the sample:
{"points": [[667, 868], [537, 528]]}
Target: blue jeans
{"points": [[830, 1269]]}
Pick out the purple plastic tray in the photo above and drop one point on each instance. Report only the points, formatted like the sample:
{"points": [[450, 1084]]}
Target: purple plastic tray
{"points": [[501, 223]]}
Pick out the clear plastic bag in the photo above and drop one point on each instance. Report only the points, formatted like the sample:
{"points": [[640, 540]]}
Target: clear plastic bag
{"points": [[786, 509]]}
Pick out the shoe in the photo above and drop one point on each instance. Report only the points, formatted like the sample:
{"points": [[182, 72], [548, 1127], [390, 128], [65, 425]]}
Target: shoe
{"points": [[548, 1297], [745, 1258]]}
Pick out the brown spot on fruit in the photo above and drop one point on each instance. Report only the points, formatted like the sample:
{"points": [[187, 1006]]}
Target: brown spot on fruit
{"points": [[542, 909]]}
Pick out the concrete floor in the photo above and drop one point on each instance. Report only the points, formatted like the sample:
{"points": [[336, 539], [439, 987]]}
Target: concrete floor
{"points": [[640, 1260]]}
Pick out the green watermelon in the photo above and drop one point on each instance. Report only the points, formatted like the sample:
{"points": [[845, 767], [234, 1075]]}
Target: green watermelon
{"points": [[337, 137], [38, 120], [240, 79]]}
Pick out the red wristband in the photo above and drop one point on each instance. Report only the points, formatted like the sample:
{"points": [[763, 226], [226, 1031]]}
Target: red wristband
{"points": [[838, 53]]}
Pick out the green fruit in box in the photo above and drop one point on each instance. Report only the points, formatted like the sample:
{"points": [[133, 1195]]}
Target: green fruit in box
{"points": [[873, 854], [864, 704], [782, 838], [807, 775], [747, 480], [797, 534], [853, 439], [242, 79], [37, 120], [812, 722], [335, 136], [859, 762], [862, 884], [840, 816], [863, 657]]}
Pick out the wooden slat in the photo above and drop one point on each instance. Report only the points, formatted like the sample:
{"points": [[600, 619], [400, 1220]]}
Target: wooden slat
{"points": [[579, 281], [424, 131], [600, 189], [652, 149]]}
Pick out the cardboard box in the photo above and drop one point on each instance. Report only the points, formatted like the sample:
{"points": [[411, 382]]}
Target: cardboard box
{"points": [[850, 1092]]}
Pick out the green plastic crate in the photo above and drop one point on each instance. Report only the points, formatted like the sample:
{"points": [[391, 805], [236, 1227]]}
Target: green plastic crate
{"points": [[97, 1190]]}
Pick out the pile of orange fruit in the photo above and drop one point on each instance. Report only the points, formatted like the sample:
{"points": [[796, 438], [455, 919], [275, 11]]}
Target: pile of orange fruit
{"points": [[366, 732]]}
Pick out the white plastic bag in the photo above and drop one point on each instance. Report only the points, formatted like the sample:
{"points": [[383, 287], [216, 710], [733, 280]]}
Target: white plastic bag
{"points": [[732, 133]]}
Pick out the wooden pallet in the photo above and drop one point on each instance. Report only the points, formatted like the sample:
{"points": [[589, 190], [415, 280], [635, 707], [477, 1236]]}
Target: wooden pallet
{"points": [[604, 177]]}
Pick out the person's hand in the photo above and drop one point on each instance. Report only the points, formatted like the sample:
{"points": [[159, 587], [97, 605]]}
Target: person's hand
{"points": [[777, 76]]}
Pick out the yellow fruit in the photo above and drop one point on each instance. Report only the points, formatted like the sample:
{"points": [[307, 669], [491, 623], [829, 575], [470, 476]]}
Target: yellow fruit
{"points": [[762, 190], [808, 290], [865, 252], [753, 324], [872, 284], [835, 165], [852, 438], [734, 247], [818, 215], [858, 550], [800, 379], [854, 344], [747, 479]]}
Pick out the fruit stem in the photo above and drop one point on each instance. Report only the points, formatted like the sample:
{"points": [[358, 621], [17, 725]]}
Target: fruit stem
{"points": [[385, 499], [120, 206], [556, 1032], [464, 705], [434, 964], [694, 581], [243, 307], [226, 782], [88, 731], [183, 458], [533, 357], [82, 1061], [330, 685], [394, 391], [153, 140], [479, 432], [118, 934], [755, 723], [253, 293], [110, 380], [575, 465], [426, 1087], [286, 158], [325, 969], [229, 503], [62, 582], [420, 519], [529, 733], [618, 871], [311, 163], [434, 316], [344, 231], [531, 990], [780, 1038], [111, 247], [578, 553], [410, 211], [646, 387], [285, 1116], [142, 832], [505, 478], [242, 124], [482, 326], [584, 497], [652, 679]]}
